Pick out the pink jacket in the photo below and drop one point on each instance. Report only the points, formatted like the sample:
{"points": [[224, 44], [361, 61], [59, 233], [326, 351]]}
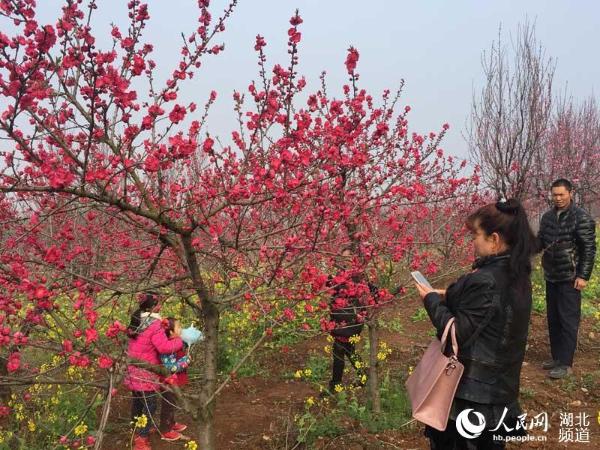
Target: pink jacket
{"points": [[147, 347]]}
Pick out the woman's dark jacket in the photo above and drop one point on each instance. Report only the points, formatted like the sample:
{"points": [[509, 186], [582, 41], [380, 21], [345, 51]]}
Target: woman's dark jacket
{"points": [[492, 320], [349, 319], [568, 241]]}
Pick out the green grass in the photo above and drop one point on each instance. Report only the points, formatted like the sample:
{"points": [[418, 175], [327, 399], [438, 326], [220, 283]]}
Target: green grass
{"points": [[395, 408], [395, 325], [419, 315], [326, 418]]}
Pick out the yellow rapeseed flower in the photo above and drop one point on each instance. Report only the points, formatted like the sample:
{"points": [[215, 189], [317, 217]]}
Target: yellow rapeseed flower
{"points": [[5, 435], [31, 425], [191, 445], [307, 372], [384, 347], [80, 429], [410, 370], [310, 401], [72, 372], [327, 349], [298, 374], [338, 388], [354, 339], [384, 351], [141, 421]]}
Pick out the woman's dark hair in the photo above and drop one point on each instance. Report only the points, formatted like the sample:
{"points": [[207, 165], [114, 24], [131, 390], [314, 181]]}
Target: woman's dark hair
{"points": [[509, 220], [169, 325], [148, 302]]}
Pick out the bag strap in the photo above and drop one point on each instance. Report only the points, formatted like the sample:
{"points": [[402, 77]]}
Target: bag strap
{"points": [[450, 328], [454, 341]]}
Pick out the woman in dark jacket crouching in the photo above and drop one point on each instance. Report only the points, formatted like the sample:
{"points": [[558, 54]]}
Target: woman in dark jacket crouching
{"points": [[491, 306]]}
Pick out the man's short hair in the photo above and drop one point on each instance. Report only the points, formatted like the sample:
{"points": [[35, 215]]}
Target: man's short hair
{"points": [[564, 183]]}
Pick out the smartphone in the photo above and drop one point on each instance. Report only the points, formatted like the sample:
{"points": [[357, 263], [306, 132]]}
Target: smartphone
{"points": [[419, 278]]}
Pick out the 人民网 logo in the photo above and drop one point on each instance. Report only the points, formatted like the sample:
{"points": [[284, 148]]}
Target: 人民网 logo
{"points": [[468, 429]]}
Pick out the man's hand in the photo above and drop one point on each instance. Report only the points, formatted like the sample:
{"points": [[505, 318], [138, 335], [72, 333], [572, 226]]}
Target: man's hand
{"points": [[580, 284], [424, 290]]}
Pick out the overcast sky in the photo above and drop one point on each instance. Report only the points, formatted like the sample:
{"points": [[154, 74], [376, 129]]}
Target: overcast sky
{"points": [[434, 45]]}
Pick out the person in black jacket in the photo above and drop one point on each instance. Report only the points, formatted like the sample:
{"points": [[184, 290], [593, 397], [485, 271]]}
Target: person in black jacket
{"points": [[348, 309], [568, 238], [491, 306]]}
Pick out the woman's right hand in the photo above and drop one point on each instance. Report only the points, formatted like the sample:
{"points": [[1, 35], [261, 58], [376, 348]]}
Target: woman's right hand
{"points": [[424, 290]]}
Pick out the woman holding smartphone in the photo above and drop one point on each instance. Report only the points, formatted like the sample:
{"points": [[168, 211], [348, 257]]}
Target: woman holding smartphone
{"points": [[491, 306]]}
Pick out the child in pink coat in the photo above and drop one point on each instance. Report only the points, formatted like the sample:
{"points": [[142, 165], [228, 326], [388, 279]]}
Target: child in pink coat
{"points": [[177, 364], [147, 340]]}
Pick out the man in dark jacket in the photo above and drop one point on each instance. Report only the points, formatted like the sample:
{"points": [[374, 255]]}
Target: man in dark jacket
{"points": [[568, 239], [347, 312]]}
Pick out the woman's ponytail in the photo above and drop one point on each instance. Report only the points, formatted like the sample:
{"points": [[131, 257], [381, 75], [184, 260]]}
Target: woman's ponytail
{"points": [[520, 238]]}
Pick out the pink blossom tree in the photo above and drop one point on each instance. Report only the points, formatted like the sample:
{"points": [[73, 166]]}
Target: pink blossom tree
{"points": [[511, 113], [107, 194], [572, 150]]}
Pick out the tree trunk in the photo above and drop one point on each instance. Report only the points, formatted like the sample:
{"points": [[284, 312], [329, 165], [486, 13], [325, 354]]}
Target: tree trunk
{"points": [[211, 316], [373, 365], [5, 390]]}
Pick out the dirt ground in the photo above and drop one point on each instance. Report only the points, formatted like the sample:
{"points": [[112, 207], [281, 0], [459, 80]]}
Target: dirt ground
{"points": [[257, 412]]}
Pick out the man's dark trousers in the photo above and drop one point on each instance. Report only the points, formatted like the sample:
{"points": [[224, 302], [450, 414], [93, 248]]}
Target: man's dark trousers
{"points": [[341, 351], [563, 309]]}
